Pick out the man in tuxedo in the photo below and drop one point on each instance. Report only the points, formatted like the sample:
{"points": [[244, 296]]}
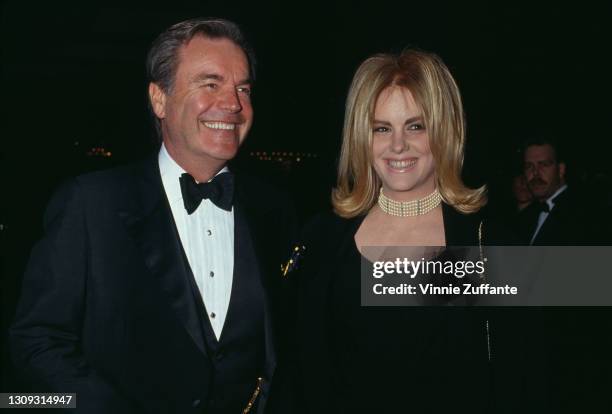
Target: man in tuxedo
{"points": [[558, 216], [566, 348], [155, 288]]}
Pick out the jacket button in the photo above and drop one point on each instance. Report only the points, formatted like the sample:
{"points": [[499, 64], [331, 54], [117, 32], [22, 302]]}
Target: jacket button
{"points": [[195, 403], [219, 356]]}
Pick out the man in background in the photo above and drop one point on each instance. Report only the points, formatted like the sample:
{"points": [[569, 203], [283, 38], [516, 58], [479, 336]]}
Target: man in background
{"points": [[558, 215], [567, 348]]}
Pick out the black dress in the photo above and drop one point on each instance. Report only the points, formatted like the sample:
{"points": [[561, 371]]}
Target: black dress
{"points": [[384, 359]]}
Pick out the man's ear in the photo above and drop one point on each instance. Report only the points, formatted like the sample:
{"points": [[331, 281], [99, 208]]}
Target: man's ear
{"points": [[158, 100], [562, 171]]}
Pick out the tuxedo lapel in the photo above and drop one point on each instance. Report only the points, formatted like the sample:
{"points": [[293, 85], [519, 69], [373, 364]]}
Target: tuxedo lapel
{"points": [[246, 265], [546, 234], [150, 223], [255, 216]]}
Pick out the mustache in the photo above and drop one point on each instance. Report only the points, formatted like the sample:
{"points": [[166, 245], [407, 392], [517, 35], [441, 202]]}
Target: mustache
{"points": [[537, 181]]}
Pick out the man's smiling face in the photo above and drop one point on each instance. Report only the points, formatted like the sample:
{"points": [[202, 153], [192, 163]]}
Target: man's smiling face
{"points": [[207, 112]]}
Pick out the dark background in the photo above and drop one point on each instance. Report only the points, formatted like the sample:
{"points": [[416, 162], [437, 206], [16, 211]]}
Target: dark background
{"points": [[73, 79]]}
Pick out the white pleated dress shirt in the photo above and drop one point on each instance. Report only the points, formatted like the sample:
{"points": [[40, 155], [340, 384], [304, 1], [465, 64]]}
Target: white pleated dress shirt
{"points": [[207, 236]]}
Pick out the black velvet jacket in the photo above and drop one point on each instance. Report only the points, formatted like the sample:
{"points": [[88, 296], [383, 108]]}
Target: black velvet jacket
{"points": [[464, 333]]}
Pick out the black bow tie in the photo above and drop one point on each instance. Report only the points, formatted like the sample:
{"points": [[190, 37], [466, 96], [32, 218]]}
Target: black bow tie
{"points": [[220, 191]]}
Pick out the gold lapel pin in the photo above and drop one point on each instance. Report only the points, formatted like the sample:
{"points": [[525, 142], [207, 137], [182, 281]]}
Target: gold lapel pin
{"points": [[292, 263]]}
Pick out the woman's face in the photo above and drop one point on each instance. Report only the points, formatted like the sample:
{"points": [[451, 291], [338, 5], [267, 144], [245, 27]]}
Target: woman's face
{"points": [[400, 146]]}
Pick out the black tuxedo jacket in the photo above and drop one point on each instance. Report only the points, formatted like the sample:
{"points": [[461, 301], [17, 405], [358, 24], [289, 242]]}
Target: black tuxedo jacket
{"points": [[571, 222], [566, 349], [107, 310]]}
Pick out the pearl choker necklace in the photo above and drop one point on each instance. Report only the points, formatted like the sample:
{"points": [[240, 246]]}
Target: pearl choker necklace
{"points": [[409, 208]]}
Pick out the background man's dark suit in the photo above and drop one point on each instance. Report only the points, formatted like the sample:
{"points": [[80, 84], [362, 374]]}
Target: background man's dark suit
{"points": [[108, 308], [570, 344], [574, 220]]}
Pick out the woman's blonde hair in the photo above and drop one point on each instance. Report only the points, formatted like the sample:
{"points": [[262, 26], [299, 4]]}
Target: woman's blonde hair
{"points": [[436, 92]]}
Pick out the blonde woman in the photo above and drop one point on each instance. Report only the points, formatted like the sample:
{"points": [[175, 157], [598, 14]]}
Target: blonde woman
{"points": [[399, 184]]}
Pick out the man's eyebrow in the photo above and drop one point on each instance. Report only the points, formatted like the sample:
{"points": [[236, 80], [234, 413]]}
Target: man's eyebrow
{"points": [[202, 77], [245, 81], [207, 76], [408, 121]]}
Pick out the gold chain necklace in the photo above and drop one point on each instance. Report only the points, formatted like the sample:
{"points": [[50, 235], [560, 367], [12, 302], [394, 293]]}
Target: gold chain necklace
{"points": [[409, 208]]}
